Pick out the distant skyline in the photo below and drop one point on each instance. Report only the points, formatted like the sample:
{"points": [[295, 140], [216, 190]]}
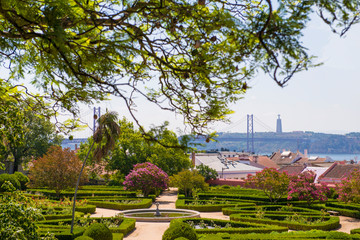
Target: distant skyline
{"points": [[324, 99]]}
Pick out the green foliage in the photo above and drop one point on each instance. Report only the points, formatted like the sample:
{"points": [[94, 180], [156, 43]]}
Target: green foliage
{"points": [[201, 54], [213, 226], [7, 187], [121, 205], [10, 178], [116, 179], [135, 146], [84, 238], [273, 183], [34, 135], [207, 172], [23, 179], [98, 231], [188, 181], [204, 206], [18, 217], [58, 170], [179, 229], [294, 222], [306, 235]]}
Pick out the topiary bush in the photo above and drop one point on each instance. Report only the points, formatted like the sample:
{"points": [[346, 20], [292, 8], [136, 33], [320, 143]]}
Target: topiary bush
{"points": [[84, 238], [11, 178], [98, 231], [179, 229], [181, 238], [23, 179]]}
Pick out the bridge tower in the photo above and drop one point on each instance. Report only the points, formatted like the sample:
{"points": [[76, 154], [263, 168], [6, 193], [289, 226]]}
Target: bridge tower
{"points": [[250, 133], [97, 115]]}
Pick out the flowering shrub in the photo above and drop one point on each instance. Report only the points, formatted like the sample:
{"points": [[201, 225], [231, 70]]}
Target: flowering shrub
{"points": [[304, 188], [146, 177], [271, 181], [349, 188]]}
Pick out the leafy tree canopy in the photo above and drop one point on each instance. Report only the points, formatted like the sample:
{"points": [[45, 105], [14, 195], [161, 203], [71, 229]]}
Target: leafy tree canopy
{"points": [[27, 131], [131, 147], [207, 172], [191, 57]]}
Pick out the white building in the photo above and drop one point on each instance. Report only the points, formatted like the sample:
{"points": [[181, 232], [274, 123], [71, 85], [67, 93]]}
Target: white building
{"points": [[225, 169]]}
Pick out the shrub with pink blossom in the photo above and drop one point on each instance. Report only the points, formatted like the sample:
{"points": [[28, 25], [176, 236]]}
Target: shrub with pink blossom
{"points": [[146, 177], [349, 188], [304, 188]]}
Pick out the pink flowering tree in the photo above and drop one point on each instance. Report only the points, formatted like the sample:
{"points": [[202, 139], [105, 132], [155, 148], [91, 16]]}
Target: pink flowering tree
{"points": [[349, 188], [146, 177], [272, 182], [303, 188]]}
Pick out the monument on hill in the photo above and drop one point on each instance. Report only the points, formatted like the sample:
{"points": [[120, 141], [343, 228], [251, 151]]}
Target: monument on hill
{"points": [[278, 125]]}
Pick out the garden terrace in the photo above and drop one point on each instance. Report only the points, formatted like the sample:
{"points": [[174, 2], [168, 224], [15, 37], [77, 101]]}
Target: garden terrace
{"points": [[62, 214], [236, 197], [122, 204], [208, 205], [213, 226], [344, 209], [298, 235], [82, 193], [272, 209], [117, 225], [293, 222]]}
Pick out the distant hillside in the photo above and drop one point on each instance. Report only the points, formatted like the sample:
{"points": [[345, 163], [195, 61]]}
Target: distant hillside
{"points": [[267, 142]]}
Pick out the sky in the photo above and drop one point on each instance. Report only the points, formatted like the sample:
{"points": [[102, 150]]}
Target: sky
{"points": [[324, 99]]}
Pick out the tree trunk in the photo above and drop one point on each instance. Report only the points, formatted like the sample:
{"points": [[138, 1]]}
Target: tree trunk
{"points": [[17, 162]]}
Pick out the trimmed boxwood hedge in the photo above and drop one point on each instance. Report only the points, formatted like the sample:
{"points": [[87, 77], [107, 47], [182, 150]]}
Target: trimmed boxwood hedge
{"points": [[82, 193], [182, 204], [329, 223], [179, 230], [88, 208], [61, 216], [62, 232], [98, 231], [299, 235], [237, 227], [126, 226], [270, 209], [344, 209], [118, 236], [235, 197], [145, 203]]}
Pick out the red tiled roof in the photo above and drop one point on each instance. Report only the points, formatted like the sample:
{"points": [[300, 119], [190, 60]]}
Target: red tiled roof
{"points": [[338, 170], [265, 161], [293, 169], [279, 159]]}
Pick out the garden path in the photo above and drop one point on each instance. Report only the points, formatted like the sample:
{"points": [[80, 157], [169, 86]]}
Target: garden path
{"points": [[348, 223], [155, 230]]}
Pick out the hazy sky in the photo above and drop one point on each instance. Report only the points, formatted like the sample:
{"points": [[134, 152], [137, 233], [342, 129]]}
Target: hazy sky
{"points": [[323, 99]]}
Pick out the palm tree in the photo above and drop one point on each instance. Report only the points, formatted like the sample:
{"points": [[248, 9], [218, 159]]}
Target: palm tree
{"points": [[105, 136]]}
